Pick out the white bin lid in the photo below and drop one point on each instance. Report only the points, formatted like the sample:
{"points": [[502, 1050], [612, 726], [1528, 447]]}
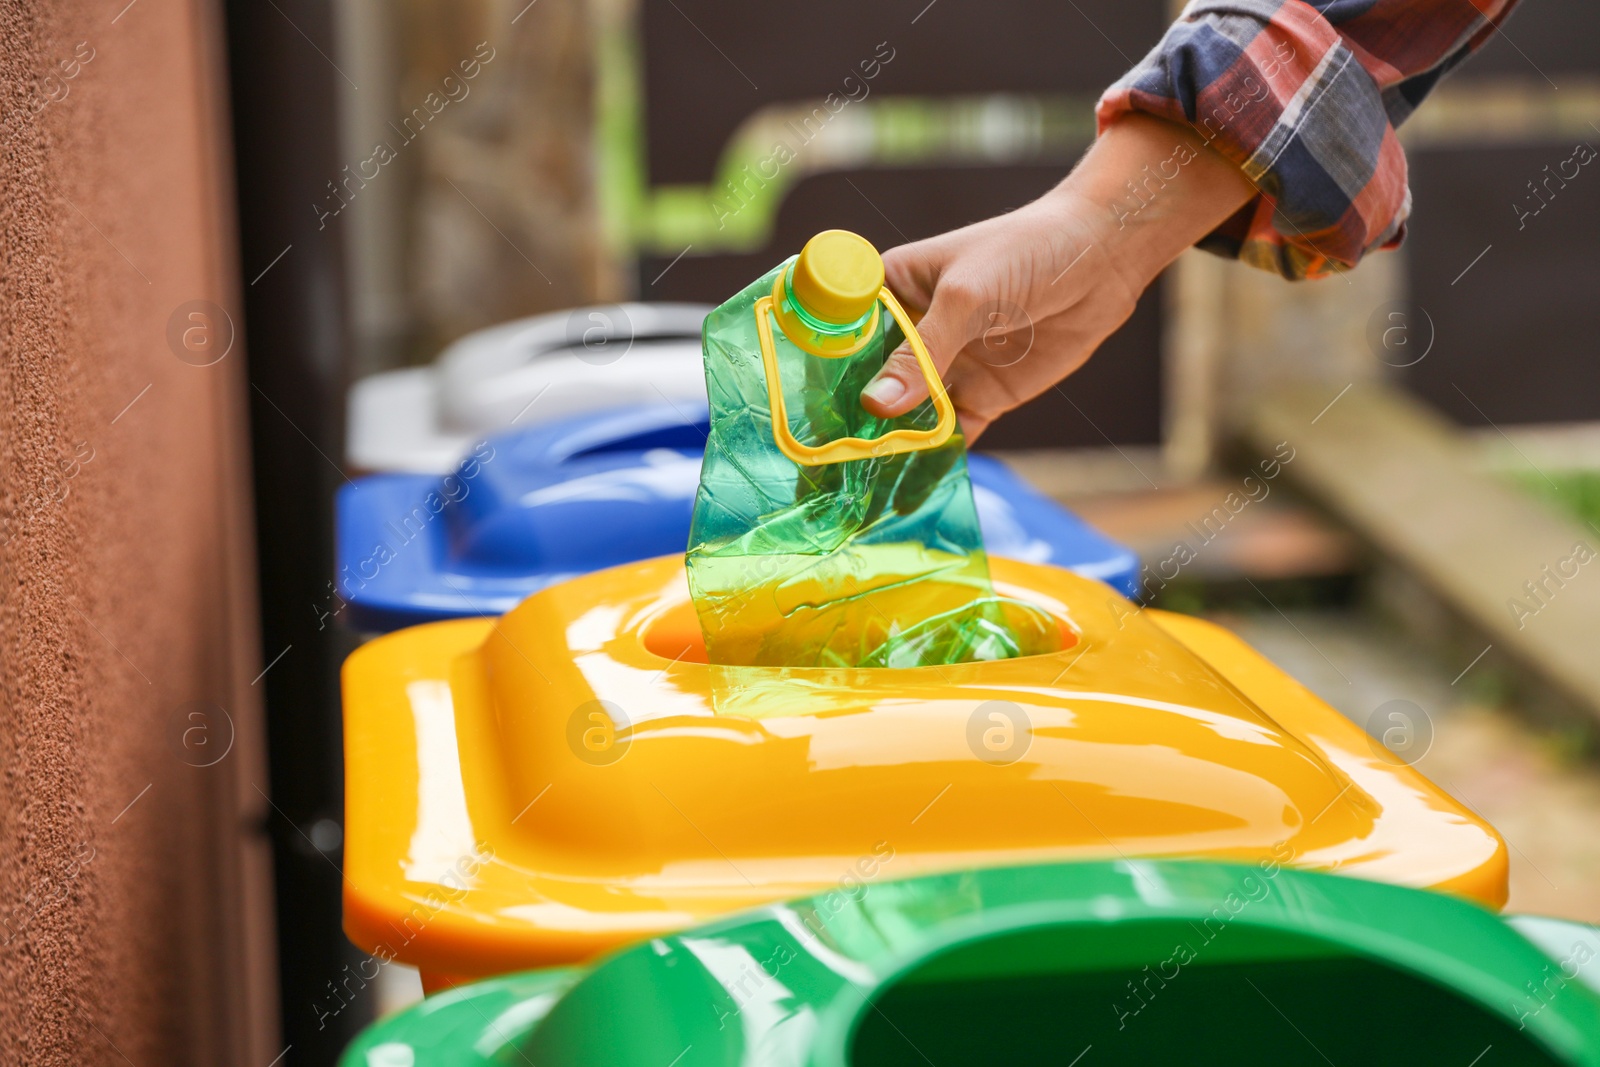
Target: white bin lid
{"points": [[526, 372]]}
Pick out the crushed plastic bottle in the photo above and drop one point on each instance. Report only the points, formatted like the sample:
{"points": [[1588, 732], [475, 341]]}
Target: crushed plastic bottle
{"points": [[824, 535]]}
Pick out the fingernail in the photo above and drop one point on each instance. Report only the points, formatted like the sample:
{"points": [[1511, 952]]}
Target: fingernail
{"points": [[884, 391]]}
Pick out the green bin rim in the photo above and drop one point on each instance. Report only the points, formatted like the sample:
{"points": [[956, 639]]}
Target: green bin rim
{"points": [[1451, 943]]}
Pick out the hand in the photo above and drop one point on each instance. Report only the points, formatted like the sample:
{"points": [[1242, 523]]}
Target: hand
{"points": [[1014, 304]]}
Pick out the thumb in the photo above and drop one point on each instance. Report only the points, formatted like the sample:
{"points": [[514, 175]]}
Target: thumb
{"points": [[899, 386]]}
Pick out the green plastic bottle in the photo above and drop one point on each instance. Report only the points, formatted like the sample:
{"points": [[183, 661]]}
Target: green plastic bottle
{"points": [[824, 535]]}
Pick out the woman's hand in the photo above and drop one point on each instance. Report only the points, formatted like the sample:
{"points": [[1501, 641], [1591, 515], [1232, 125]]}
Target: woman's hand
{"points": [[1014, 304]]}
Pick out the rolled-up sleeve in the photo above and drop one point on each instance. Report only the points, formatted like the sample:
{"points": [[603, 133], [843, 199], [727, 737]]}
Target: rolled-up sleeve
{"points": [[1305, 98]]}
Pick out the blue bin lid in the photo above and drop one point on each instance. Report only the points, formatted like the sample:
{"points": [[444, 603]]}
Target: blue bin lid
{"points": [[530, 508]]}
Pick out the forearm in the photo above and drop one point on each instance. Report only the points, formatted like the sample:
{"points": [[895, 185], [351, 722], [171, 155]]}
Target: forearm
{"points": [[1305, 99], [1154, 188]]}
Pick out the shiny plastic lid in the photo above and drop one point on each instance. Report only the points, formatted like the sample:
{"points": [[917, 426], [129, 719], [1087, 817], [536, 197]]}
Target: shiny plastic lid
{"points": [[1128, 961], [574, 776], [524, 373], [541, 505]]}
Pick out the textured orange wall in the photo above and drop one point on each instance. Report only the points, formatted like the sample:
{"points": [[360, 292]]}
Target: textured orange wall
{"points": [[133, 880]]}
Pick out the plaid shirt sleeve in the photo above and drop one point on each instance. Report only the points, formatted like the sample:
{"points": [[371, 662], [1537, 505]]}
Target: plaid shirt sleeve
{"points": [[1305, 96]]}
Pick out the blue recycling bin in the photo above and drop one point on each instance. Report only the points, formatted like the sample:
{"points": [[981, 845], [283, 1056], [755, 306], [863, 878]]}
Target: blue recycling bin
{"points": [[529, 508]]}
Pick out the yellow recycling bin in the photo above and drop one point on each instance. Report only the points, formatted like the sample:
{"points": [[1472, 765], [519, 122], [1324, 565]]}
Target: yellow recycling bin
{"points": [[574, 776]]}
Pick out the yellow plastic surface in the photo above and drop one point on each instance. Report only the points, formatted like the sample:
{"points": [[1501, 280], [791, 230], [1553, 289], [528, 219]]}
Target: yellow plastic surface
{"points": [[849, 448], [837, 276], [498, 817]]}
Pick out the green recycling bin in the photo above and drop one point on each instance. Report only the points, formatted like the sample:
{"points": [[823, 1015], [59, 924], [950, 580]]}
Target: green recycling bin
{"points": [[1129, 962]]}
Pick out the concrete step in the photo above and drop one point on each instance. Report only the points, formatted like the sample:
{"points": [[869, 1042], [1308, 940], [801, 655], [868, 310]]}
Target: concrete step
{"points": [[1519, 570]]}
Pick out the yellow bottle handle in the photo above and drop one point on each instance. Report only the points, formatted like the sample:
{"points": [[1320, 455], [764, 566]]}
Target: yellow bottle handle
{"points": [[849, 448]]}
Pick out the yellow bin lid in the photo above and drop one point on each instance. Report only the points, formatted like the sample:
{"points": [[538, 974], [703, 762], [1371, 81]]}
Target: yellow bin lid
{"points": [[541, 788]]}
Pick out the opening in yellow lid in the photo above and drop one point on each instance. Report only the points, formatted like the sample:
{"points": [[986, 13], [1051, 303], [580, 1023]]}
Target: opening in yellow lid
{"points": [[837, 276]]}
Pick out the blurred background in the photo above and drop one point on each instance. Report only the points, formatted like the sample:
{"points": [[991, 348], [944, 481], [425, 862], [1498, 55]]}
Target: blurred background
{"points": [[343, 188]]}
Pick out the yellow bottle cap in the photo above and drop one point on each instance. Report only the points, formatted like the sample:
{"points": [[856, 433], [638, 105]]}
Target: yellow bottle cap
{"points": [[837, 276]]}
